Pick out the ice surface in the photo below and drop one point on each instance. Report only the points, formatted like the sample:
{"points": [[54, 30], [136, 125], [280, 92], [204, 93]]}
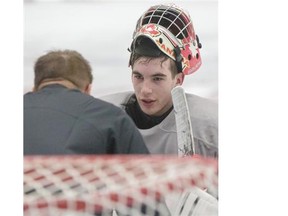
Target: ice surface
{"points": [[102, 30]]}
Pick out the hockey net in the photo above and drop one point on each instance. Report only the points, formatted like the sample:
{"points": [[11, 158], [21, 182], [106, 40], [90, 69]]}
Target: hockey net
{"points": [[97, 185]]}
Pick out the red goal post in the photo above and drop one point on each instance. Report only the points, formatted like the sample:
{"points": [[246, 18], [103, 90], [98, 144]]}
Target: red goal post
{"points": [[96, 185]]}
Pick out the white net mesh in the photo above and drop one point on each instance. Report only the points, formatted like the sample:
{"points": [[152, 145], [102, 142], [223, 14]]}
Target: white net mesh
{"points": [[96, 185]]}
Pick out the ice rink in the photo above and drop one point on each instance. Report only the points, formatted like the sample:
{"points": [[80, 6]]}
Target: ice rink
{"points": [[102, 30]]}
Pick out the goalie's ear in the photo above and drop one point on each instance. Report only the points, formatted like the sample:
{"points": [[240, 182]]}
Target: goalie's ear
{"points": [[179, 79]]}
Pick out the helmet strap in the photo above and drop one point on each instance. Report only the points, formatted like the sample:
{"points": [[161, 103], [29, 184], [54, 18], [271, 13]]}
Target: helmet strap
{"points": [[178, 58]]}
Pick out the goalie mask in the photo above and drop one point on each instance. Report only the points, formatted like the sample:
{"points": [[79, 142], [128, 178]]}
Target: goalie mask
{"points": [[168, 29]]}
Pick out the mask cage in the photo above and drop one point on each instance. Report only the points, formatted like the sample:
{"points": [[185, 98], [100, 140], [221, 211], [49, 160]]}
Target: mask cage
{"points": [[171, 18]]}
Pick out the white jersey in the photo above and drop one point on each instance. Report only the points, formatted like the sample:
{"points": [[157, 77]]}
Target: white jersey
{"points": [[162, 138]]}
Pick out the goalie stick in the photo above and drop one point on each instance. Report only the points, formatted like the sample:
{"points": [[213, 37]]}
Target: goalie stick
{"points": [[188, 203], [186, 146]]}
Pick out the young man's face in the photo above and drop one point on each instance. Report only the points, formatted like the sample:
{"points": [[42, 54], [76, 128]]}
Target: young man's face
{"points": [[152, 81]]}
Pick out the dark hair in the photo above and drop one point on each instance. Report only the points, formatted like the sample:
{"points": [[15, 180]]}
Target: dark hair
{"points": [[63, 65], [135, 57], [145, 47]]}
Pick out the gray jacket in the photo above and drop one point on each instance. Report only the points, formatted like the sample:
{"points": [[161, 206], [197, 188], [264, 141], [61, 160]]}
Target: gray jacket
{"points": [[62, 121]]}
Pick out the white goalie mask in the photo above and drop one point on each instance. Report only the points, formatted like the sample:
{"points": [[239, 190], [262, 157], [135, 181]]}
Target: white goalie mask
{"points": [[170, 28]]}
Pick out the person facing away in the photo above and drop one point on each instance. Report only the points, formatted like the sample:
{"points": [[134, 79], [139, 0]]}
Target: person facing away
{"points": [[164, 49], [61, 117]]}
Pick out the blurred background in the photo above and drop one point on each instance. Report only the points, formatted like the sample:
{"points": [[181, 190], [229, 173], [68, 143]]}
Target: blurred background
{"points": [[101, 30]]}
